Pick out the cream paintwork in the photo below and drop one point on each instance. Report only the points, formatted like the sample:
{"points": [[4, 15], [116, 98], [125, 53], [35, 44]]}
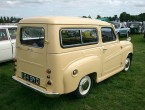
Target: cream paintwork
{"points": [[86, 59]]}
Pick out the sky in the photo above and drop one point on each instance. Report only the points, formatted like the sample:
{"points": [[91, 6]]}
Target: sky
{"points": [[32, 8]]}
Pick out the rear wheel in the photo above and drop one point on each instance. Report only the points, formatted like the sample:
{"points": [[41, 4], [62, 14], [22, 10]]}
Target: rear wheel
{"points": [[127, 35], [118, 34], [127, 63], [83, 87]]}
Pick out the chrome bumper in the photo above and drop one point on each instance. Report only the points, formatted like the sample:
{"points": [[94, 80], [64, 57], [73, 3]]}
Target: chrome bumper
{"points": [[46, 93]]}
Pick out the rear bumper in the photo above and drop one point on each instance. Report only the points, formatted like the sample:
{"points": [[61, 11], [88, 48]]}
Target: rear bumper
{"points": [[44, 92]]}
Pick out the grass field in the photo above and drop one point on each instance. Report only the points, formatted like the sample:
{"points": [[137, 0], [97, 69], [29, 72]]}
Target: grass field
{"points": [[124, 91]]}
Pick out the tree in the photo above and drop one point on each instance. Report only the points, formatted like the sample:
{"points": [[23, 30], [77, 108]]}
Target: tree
{"points": [[8, 20], [98, 16], [84, 17], [142, 16], [1, 19], [4, 19], [89, 16], [123, 16]]}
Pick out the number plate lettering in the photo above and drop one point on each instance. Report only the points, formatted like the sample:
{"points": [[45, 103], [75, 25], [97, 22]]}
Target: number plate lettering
{"points": [[30, 78]]}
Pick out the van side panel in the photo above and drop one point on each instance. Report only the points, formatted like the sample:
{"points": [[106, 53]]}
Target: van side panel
{"points": [[62, 66], [63, 61], [127, 49]]}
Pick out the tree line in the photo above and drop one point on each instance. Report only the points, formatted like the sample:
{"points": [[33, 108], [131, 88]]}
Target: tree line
{"points": [[123, 17], [127, 17], [4, 19]]}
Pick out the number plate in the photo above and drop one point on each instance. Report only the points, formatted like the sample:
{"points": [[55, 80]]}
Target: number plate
{"points": [[30, 78]]}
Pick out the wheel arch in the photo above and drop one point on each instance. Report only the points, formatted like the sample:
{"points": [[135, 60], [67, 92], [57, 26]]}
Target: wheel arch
{"points": [[71, 81]]}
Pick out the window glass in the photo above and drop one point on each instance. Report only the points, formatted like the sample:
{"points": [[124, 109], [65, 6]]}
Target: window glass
{"points": [[108, 35], [89, 35], [117, 25], [12, 32], [3, 35], [33, 36], [70, 37]]}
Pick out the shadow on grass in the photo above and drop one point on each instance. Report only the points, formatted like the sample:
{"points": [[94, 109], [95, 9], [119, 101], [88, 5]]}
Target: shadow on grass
{"points": [[27, 97], [6, 63]]}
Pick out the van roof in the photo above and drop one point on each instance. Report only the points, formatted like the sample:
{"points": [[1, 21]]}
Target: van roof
{"points": [[8, 26], [64, 20]]}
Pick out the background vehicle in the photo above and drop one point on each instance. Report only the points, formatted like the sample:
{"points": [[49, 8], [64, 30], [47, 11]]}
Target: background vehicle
{"points": [[144, 34], [59, 55], [121, 29], [136, 27], [143, 26], [7, 42]]}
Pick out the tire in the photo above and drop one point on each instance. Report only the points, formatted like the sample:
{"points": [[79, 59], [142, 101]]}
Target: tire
{"points": [[83, 87], [127, 35], [118, 34], [127, 64]]}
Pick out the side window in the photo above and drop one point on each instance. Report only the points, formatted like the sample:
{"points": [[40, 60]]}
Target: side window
{"points": [[107, 34], [89, 35], [70, 37], [3, 35]]}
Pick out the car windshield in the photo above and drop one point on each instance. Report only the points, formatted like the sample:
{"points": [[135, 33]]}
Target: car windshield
{"points": [[3, 35], [12, 32], [33, 36], [117, 25], [135, 24]]}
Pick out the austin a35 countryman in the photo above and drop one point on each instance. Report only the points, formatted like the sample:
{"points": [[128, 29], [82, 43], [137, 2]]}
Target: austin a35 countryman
{"points": [[59, 55]]}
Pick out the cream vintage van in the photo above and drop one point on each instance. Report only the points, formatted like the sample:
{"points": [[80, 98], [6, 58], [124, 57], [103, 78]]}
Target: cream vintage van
{"points": [[59, 55]]}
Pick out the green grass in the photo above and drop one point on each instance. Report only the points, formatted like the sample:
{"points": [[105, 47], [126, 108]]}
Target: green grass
{"points": [[124, 91]]}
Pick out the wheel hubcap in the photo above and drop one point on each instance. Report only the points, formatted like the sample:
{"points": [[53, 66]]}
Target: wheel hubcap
{"points": [[85, 85], [127, 64]]}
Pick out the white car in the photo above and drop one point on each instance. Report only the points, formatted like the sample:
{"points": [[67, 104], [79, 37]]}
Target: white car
{"points": [[7, 42]]}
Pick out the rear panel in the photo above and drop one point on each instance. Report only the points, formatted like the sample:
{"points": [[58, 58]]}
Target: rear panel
{"points": [[31, 53]]}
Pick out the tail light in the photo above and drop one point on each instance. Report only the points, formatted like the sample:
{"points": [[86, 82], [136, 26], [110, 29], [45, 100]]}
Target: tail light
{"points": [[48, 71], [15, 60], [49, 82], [48, 76]]}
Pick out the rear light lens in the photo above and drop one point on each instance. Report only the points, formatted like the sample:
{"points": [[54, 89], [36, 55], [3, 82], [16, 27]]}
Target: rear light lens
{"points": [[49, 82], [48, 76], [48, 71], [15, 60]]}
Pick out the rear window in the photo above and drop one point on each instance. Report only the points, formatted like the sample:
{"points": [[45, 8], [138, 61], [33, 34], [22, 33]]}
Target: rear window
{"points": [[32, 36], [3, 35], [12, 32]]}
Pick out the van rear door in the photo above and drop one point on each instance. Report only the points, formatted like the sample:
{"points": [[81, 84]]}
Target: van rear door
{"points": [[31, 53]]}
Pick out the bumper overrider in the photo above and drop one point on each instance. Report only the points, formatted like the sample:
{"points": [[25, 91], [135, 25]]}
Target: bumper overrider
{"points": [[44, 92]]}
